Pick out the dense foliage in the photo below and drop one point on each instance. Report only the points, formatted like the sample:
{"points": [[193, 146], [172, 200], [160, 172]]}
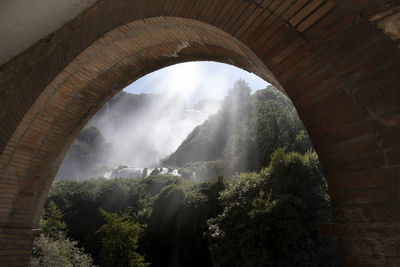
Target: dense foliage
{"points": [[270, 218], [267, 218], [256, 200], [52, 252], [52, 247], [171, 211], [119, 242]]}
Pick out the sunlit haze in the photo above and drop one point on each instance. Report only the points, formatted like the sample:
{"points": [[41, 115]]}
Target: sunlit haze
{"points": [[141, 128], [196, 80]]}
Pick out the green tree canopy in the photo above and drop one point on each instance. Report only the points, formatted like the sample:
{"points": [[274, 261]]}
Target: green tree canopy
{"points": [[52, 247], [119, 243], [51, 222], [270, 218]]}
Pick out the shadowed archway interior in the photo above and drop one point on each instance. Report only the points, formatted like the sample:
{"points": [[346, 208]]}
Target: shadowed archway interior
{"points": [[105, 68], [334, 59]]}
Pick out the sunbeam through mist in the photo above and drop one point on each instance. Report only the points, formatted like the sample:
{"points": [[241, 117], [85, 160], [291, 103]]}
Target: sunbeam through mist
{"points": [[150, 118], [143, 137]]}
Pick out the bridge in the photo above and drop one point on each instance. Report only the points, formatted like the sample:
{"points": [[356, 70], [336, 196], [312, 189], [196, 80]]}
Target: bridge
{"points": [[337, 60]]}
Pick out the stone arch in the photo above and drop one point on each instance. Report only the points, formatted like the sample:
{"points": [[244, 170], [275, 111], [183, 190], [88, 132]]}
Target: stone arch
{"points": [[323, 54]]}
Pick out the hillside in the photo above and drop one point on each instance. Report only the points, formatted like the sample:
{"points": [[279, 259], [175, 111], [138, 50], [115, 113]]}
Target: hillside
{"points": [[243, 134]]}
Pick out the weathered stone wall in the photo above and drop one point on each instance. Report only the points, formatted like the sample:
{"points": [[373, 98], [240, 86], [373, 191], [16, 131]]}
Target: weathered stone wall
{"points": [[338, 61]]}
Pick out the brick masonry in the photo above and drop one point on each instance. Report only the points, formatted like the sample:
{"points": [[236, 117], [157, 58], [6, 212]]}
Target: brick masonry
{"points": [[338, 61]]}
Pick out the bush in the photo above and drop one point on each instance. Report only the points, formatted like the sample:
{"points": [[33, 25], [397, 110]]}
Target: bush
{"points": [[55, 252]]}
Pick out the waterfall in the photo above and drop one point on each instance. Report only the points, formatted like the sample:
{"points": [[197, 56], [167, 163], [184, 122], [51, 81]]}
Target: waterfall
{"points": [[137, 173]]}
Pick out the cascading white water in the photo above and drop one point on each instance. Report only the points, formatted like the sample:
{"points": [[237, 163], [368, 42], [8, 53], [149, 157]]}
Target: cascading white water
{"points": [[137, 173]]}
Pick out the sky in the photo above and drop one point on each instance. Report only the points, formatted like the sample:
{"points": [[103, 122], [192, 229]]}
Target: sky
{"points": [[195, 80]]}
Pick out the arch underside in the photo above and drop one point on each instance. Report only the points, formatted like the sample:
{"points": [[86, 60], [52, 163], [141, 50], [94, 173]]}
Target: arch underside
{"points": [[339, 69], [106, 67]]}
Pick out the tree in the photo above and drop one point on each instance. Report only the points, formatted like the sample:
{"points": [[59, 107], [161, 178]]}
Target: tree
{"points": [[51, 252], [52, 248], [51, 222], [270, 218], [119, 243]]}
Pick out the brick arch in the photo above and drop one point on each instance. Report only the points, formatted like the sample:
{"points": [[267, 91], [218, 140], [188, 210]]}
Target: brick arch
{"points": [[91, 79], [330, 57]]}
